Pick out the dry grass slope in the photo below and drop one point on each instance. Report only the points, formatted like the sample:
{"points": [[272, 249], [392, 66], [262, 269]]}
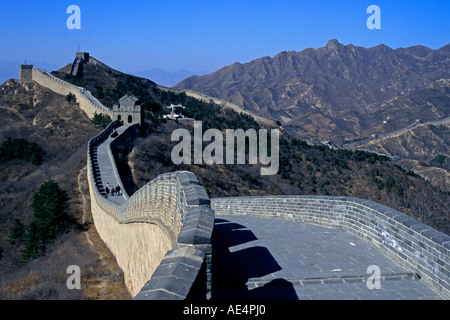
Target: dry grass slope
{"points": [[62, 130]]}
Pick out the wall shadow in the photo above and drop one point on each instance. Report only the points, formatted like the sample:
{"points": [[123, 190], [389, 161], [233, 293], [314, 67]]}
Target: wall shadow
{"points": [[231, 269]]}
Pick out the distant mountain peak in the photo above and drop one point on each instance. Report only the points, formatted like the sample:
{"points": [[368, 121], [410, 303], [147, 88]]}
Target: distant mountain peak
{"points": [[333, 43]]}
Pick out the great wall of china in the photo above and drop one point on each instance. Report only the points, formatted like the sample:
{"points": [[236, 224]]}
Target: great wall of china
{"points": [[161, 235], [88, 103], [170, 212], [166, 223]]}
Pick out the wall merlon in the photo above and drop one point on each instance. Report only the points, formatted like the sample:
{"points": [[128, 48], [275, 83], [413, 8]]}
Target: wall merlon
{"points": [[187, 178], [196, 195], [197, 227], [174, 275]]}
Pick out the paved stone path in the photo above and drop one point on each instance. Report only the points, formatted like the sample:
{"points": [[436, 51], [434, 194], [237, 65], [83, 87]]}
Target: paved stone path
{"points": [[269, 259], [105, 162]]}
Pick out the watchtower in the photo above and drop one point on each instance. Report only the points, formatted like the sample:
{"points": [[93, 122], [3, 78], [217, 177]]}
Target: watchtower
{"points": [[81, 58], [26, 73], [84, 55], [127, 110]]}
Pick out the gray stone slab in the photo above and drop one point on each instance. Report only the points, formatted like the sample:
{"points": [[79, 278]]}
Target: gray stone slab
{"points": [[262, 258], [107, 172]]}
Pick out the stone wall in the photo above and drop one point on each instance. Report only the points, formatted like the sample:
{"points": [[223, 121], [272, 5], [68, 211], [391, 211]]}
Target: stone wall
{"points": [[415, 245], [169, 217], [88, 103], [164, 226], [161, 236]]}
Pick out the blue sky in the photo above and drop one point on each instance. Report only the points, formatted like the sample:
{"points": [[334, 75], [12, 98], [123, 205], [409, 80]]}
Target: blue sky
{"points": [[203, 35]]}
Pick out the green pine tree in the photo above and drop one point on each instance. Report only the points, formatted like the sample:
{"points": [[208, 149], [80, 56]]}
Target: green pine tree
{"points": [[102, 120], [34, 243], [17, 231], [50, 205]]}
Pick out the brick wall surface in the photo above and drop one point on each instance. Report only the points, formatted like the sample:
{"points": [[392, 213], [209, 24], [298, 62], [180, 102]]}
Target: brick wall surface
{"points": [[415, 245]]}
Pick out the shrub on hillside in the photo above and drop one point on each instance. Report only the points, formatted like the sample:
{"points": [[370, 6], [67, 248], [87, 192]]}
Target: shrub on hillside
{"points": [[101, 120], [21, 149], [71, 98], [50, 218]]}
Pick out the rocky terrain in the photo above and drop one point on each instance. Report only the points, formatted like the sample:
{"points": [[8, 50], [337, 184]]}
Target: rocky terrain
{"points": [[345, 93], [349, 90], [423, 148], [62, 130]]}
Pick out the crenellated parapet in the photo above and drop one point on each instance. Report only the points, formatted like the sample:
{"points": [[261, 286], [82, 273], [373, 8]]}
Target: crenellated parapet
{"points": [[168, 217], [87, 102]]}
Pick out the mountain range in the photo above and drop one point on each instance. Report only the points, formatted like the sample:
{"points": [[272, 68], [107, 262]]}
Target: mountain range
{"points": [[338, 92]]}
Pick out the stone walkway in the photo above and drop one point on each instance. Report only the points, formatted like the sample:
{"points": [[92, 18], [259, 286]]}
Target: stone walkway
{"points": [[269, 259], [104, 161]]}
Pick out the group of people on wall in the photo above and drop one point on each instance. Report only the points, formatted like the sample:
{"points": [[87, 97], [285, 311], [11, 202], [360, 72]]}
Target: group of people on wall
{"points": [[114, 191]]}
